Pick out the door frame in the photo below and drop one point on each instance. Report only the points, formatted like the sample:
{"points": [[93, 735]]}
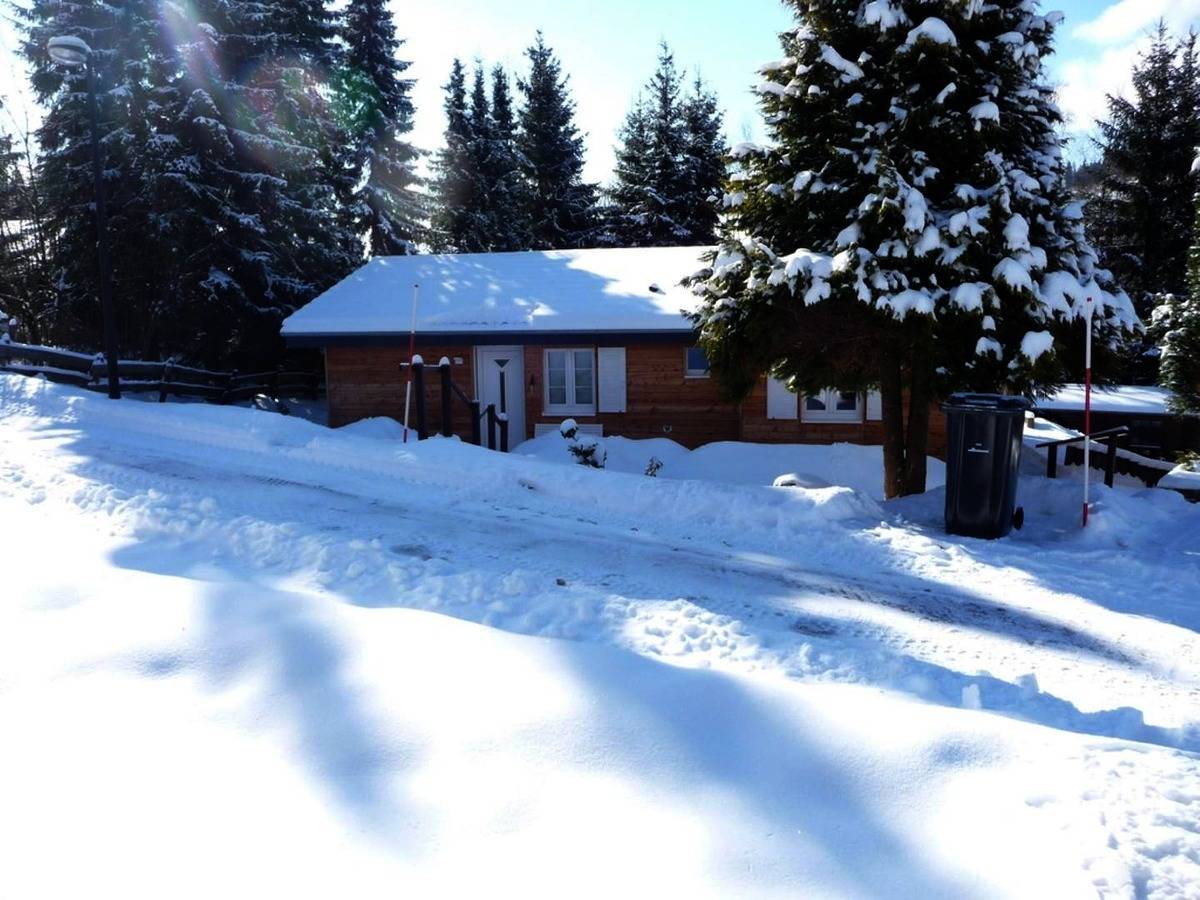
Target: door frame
{"points": [[516, 430]]}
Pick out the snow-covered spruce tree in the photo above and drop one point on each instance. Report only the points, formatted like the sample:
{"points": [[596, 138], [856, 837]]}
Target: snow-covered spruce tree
{"points": [[124, 38], [703, 163], [1140, 214], [27, 291], [375, 100], [261, 171], [907, 228], [1176, 329], [670, 162], [650, 192], [510, 194], [459, 198], [562, 206]]}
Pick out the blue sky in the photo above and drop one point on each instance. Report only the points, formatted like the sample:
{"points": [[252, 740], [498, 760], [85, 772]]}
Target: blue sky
{"points": [[609, 48]]}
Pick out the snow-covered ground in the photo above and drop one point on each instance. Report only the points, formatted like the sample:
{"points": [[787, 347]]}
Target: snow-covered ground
{"points": [[243, 655]]}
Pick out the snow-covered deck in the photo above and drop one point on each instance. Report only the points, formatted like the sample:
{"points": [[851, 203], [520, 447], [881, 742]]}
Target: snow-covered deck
{"points": [[608, 290]]}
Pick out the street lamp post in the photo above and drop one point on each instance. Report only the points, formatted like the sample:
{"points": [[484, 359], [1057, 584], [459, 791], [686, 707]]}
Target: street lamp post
{"points": [[74, 53]]}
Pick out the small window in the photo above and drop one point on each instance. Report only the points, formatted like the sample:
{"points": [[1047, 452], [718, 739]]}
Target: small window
{"points": [[696, 363], [571, 382], [833, 406]]}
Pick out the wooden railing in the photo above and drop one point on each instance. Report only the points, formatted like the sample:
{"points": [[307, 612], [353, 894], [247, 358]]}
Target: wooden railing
{"points": [[1109, 437], [167, 379], [497, 422]]}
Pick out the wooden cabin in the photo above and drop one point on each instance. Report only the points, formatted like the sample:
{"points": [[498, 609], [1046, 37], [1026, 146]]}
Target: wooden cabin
{"points": [[599, 336]]}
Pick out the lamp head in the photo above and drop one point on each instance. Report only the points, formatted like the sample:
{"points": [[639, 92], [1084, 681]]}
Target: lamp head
{"points": [[71, 52]]}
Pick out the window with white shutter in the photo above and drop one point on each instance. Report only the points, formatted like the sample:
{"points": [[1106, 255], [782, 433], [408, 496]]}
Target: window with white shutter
{"points": [[612, 379]]}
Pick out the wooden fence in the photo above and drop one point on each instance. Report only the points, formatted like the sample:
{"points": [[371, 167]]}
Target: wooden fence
{"points": [[167, 379]]}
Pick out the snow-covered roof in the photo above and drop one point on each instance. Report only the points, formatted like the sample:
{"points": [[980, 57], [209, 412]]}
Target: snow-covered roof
{"points": [[1125, 398], [611, 290]]}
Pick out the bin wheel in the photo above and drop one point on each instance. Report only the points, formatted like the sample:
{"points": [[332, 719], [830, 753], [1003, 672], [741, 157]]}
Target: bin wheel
{"points": [[1018, 517]]}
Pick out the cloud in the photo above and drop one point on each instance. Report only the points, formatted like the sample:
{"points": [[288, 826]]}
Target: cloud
{"points": [[1085, 83], [1126, 19]]}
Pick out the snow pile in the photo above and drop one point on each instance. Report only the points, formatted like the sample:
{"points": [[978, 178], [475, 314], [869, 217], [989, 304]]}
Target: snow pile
{"points": [[855, 466], [1185, 477]]}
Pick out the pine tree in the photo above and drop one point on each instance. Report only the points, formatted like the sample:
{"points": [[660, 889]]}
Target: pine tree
{"points": [[1176, 330], [1140, 215], [464, 218], [223, 165], [703, 164], [628, 215], [651, 188], [562, 206], [510, 197], [124, 40], [1139, 209], [908, 227], [669, 164], [26, 243], [376, 104], [267, 169]]}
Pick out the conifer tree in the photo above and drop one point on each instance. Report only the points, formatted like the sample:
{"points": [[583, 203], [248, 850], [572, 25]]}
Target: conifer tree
{"points": [[272, 171], [651, 188], [1140, 215], [124, 40], [703, 163], [1176, 330], [669, 164], [222, 163], [510, 197], [562, 206], [908, 226], [459, 202], [377, 105]]}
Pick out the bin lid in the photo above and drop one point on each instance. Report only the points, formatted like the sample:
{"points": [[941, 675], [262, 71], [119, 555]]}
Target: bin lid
{"points": [[992, 402]]}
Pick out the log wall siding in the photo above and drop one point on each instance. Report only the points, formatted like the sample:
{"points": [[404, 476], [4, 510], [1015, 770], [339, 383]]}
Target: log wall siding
{"points": [[367, 381], [363, 382], [757, 428], [659, 400]]}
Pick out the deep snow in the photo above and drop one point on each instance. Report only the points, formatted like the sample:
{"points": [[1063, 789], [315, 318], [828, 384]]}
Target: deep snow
{"points": [[243, 654]]}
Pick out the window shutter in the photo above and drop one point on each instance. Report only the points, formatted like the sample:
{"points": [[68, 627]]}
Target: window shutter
{"points": [[874, 407], [781, 403], [612, 379]]}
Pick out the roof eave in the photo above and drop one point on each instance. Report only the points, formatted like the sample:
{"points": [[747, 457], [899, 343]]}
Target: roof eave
{"points": [[604, 337]]}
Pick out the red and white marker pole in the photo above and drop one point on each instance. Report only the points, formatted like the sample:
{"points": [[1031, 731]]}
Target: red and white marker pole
{"points": [[1088, 308], [412, 354]]}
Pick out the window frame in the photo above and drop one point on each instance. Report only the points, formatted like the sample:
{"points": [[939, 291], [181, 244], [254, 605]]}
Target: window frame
{"points": [[830, 397], [569, 408], [689, 372]]}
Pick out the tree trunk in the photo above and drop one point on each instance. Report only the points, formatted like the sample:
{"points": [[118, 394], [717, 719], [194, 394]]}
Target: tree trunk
{"points": [[917, 434], [905, 432], [891, 395]]}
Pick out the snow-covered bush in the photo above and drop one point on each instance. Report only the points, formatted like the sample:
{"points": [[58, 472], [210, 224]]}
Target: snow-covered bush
{"points": [[587, 450]]}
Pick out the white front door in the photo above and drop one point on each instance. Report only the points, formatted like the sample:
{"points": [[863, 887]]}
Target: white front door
{"points": [[500, 379]]}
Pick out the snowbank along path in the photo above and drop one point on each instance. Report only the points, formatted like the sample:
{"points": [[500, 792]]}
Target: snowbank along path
{"points": [[259, 588]]}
